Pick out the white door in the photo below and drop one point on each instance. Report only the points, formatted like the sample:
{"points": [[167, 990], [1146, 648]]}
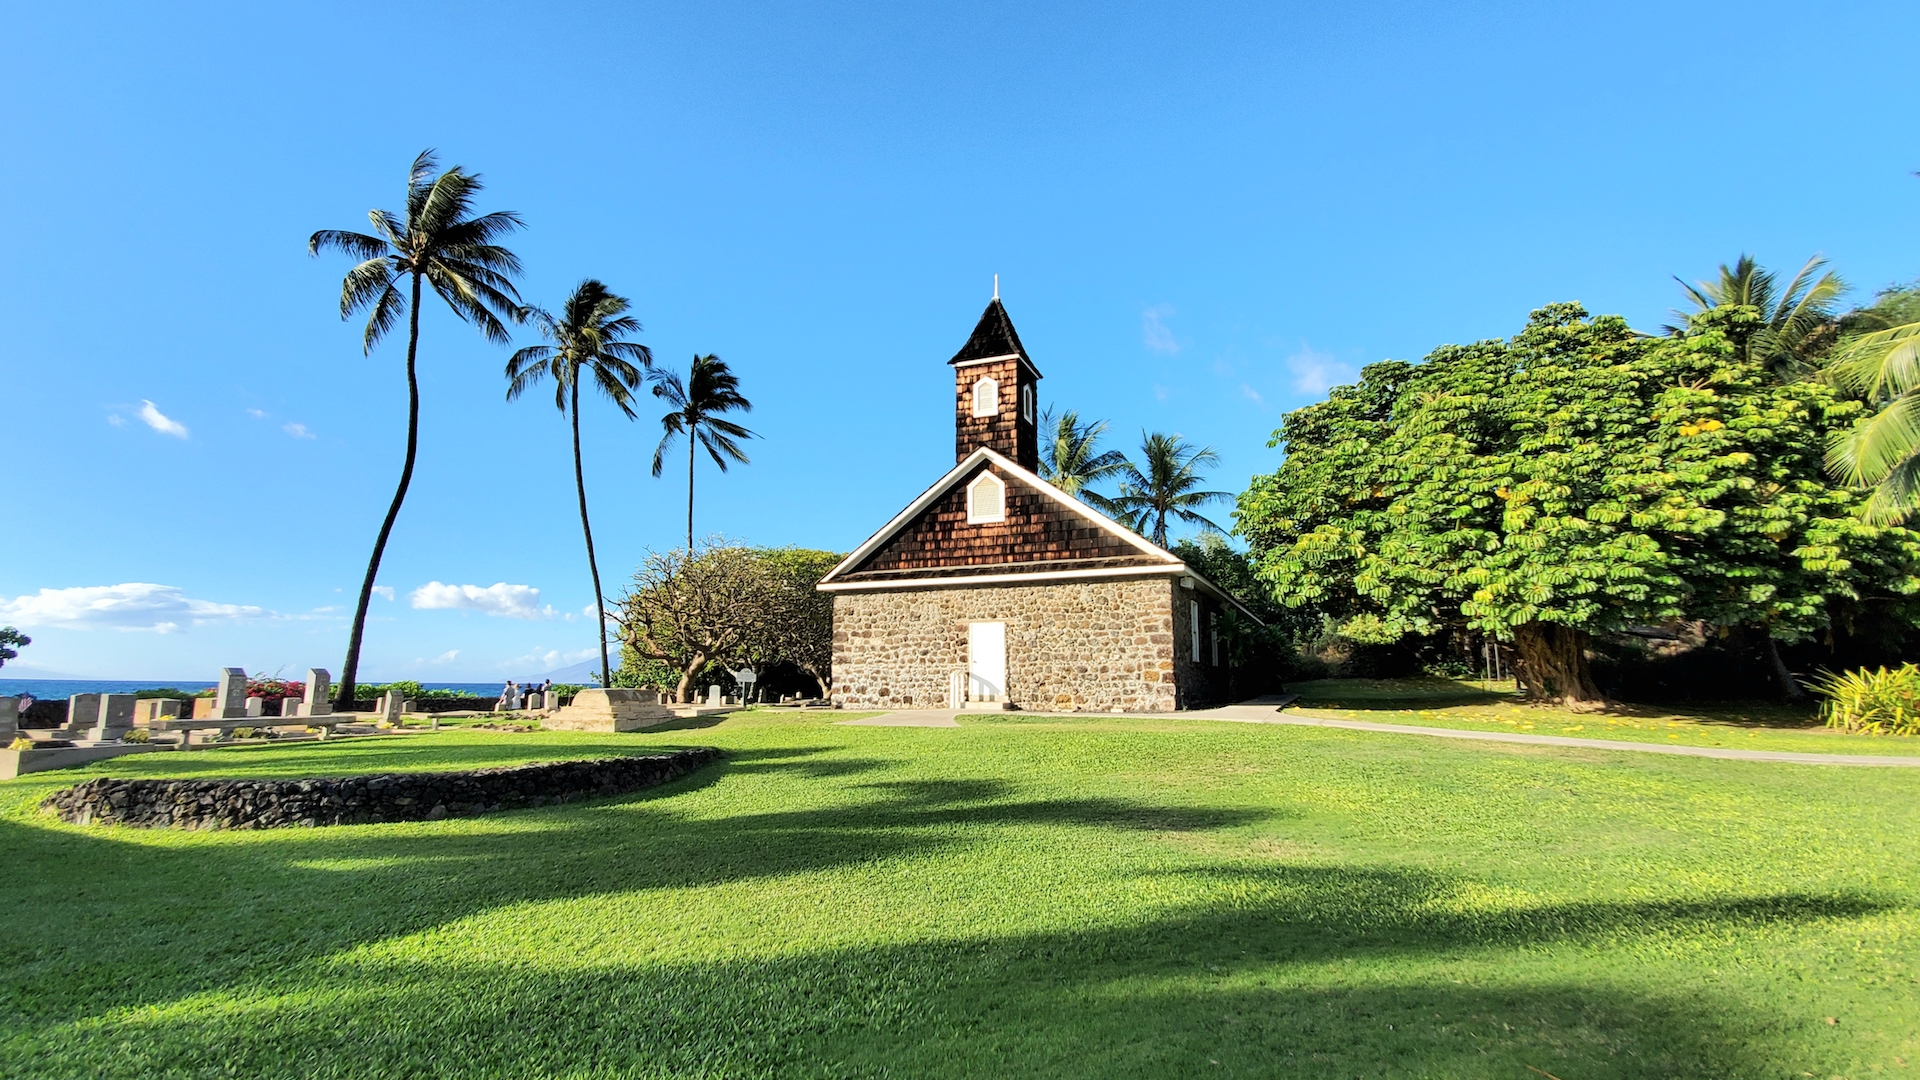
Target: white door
{"points": [[987, 661]]}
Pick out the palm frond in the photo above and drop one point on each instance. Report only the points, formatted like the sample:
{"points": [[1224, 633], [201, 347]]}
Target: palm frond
{"points": [[357, 245], [386, 312]]}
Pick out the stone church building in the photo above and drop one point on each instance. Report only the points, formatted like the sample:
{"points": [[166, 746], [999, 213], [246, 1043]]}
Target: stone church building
{"points": [[994, 588]]}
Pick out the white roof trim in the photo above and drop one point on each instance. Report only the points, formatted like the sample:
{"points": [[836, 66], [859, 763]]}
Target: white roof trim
{"points": [[990, 359], [1016, 577], [1001, 579]]}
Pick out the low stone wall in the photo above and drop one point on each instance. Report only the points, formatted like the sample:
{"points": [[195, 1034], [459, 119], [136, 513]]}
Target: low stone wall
{"points": [[359, 800]]}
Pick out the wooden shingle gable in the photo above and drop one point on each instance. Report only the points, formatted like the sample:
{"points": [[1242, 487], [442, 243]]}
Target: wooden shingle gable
{"points": [[1042, 528]]}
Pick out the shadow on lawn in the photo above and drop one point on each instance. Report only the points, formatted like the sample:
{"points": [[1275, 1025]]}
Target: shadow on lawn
{"points": [[1261, 981], [1413, 695]]}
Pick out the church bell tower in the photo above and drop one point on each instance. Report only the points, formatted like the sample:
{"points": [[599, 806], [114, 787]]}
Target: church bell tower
{"points": [[996, 391]]}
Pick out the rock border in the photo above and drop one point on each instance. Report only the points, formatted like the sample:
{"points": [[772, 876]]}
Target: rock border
{"points": [[363, 800]]}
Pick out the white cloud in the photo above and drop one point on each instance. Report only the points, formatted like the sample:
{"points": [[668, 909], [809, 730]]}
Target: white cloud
{"points": [[298, 431], [1314, 371], [382, 590], [1155, 332], [117, 420], [548, 659], [257, 414], [160, 422], [444, 658], [1248, 392], [130, 606], [500, 598]]}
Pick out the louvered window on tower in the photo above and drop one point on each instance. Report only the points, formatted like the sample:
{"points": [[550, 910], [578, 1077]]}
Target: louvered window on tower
{"points": [[986, 500], [986, 397]]}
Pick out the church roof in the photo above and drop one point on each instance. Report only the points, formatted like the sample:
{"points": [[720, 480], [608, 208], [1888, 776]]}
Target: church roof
{"points": [[993, 337]]}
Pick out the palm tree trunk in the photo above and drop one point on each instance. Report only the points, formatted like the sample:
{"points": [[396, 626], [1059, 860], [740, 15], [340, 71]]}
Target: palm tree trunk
{"points": [[343, 699], [690, 445], [593, 565]]}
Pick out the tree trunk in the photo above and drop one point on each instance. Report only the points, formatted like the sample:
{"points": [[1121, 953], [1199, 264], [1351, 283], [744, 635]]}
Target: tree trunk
{"points": [[690, 444], [1552, 664], [683, 693], [350, 671], [580, 485], [1789, 686]]}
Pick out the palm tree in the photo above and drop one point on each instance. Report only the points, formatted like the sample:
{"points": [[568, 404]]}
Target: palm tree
{"points": [[1791, 318], [1068, 460], [1882, 451], [439, 242], [710, 390], [1166, 489], [588, 339]]}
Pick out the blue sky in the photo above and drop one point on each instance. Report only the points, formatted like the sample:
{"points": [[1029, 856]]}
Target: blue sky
{"points": [[1201, 214]]}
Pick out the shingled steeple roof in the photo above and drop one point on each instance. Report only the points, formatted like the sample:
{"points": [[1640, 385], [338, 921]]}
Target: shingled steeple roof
{"points": [[993, 337]]}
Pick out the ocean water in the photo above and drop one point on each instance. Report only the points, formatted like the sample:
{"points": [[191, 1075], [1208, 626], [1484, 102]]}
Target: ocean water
{"points": [[59, 689]]}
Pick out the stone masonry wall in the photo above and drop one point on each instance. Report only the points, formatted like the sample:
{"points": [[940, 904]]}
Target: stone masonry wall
{"points": [[1095, 645], [356, 800]]}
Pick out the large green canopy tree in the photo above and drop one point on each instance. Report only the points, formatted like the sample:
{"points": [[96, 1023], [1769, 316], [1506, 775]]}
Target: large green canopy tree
{"points": [[1576, 479]]}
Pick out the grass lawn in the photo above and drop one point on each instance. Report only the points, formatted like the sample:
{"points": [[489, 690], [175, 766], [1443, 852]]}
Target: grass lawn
{"points": [[1083, 897], [1469, 703]]}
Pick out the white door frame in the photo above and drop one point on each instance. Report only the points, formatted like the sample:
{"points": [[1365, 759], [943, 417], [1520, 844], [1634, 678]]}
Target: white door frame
{"points": [[987, 661]]}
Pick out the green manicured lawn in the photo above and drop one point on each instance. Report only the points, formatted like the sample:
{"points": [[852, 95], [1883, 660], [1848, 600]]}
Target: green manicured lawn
{"points": [[1474, 705], [1082, 897]]}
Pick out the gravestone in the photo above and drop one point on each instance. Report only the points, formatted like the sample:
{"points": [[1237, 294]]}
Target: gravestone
{"points": [[256, 707], [83, 711], [9, 718], [713, 695], [536, 700], [159, 708], [319, 689], [390, 703], [114, 719], [230, 694]]}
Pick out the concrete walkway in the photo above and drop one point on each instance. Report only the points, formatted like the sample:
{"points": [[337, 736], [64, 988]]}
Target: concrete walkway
{"points": [[1267, 714]]}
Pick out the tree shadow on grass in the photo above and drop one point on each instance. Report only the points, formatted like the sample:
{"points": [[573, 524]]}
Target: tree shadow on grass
{"points": [[1330, 973], [238, 953]]}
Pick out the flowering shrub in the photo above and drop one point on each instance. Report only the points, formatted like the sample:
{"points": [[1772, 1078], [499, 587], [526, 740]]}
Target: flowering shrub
{"points": [[20, 742], [272, 689], [1878, 702]]}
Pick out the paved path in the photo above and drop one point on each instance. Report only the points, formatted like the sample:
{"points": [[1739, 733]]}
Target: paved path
{"points": [[1267, 714]]}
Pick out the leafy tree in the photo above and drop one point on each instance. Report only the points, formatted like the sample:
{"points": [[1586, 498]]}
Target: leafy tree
{"points": [[1795, 322], [1167, 487], [438, 242], [11, 642], [1577, 479], [1070, 460], [589, 338], [689, 606], [710, 390], [801, 630]]}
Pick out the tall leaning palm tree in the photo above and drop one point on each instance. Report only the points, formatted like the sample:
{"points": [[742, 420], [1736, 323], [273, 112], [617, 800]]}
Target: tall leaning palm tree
{"points": [[1790, 317], [1069, 459], [710, 390], [438, 242], [588, 343], [1167, 488]]}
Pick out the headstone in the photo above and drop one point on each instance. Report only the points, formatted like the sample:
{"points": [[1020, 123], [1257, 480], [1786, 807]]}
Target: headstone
{"points": [[536, 700], [714, 697], [83, 711], [957, 690], [390, 703], [289, 707], [230, 694], [9, 718], [256, 706], [159, 708], [115, 717], [319, 691]]}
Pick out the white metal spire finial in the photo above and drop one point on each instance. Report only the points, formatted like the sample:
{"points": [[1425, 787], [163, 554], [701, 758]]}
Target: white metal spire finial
{"points": [[996, 286]]}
